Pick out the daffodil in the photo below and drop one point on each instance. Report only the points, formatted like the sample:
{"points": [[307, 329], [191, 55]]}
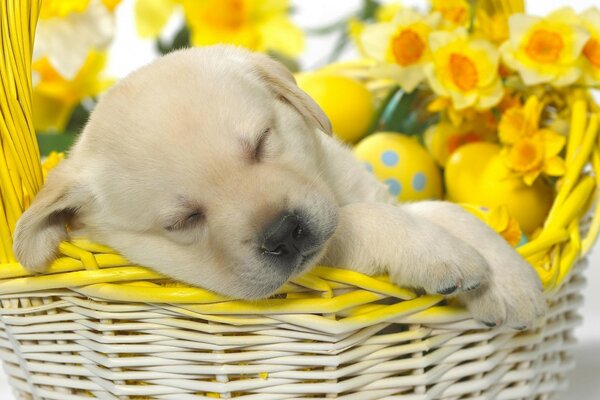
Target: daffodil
{"points": [[590, 19], [400, 46], [529, 149], [500, 221], [55, 97], [455, 12], [464, 69], [387, 12], [68, 30], [545, 50], [257, 25], [444, 138], [491, 18]]}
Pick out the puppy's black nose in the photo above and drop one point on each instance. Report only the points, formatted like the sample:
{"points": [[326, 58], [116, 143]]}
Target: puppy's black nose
{"points": [[285, 236]]}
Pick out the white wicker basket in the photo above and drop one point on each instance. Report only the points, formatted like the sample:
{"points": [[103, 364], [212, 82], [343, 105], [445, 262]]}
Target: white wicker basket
{"points": [[65, 346]]}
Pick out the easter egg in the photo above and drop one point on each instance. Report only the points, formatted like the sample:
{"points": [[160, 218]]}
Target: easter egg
{"points": [[347, 103], [403, 164], [477, 174]]}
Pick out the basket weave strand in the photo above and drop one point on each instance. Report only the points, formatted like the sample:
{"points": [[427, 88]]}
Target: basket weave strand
{"points": [[96, 326], [20, 169]]}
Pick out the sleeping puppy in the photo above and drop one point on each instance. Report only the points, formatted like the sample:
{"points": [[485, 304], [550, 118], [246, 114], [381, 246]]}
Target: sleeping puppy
{"points": [[212, 167]]}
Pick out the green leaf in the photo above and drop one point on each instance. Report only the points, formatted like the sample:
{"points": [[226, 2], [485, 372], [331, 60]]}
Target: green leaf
{"points": [[48, 142], [180, 40]]}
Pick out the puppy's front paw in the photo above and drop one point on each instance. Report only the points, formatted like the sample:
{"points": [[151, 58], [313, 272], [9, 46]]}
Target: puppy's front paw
{"points": [[444, 265], [513, 298]]}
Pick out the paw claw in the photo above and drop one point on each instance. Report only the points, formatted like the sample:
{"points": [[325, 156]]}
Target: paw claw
{"points": [[520, 328], [448, 290]]}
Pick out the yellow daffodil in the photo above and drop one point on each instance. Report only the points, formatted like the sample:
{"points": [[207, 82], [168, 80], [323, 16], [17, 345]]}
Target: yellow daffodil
{"points": [[530, 150], [590, 19], [444, 138], [458, 117], [464, 69], [68, 30], [545, 50], [400, 46], [55, 97], [454, 12], [491, 18], [500, 221], [257, 25]]}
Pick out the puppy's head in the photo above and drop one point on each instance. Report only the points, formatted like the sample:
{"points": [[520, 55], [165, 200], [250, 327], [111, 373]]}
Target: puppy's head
{"points": [[205, 166]]}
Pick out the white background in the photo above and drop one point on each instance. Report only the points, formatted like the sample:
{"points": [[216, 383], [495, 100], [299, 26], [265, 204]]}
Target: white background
{"points": [[128, 53]]}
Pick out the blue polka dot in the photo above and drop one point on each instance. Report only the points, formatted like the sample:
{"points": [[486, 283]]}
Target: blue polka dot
{"points": [[368, 167], [394, 186], [389, 158], [419, 181]]}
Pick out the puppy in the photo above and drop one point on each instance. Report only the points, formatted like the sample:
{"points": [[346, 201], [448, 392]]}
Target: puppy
{"points": [[212, 167]]}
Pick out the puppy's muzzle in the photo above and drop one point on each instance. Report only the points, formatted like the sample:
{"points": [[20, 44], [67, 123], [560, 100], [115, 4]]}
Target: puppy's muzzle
{"points": [[288, 240]]}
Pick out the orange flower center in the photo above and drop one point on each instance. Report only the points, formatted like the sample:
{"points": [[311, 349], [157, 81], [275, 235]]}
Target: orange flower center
{"points": [[226, 14], [526, 155], [407, 47], [456, 141], [592, 51], [544, 46], [463, 71]]}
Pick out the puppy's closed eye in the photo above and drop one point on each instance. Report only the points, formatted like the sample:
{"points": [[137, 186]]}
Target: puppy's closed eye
{"points": [[187, 221], [257, 152]]}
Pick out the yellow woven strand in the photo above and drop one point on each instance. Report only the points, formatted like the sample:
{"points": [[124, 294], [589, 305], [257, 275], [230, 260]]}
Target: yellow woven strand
{"points": [[571, 252], [7, 98], [543, 242], [578, 120], [5, 237], [574, 205], [359, 280], [80, 278], [20, 169], [592, 235], [576, 166], [22, 108]]}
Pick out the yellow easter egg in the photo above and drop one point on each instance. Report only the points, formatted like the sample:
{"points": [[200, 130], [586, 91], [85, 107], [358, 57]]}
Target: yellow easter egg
{"points": [[403, 164], [477, 174], [347, 103]]}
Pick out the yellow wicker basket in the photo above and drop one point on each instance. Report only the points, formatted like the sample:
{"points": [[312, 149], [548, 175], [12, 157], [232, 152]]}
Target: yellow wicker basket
{"points": [[96, 326]]}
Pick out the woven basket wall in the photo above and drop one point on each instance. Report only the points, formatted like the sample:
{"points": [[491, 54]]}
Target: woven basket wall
{"points": [[96, 326]]}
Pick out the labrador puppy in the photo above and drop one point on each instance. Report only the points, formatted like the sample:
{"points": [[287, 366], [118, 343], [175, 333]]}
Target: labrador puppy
{"points": [[212, 167]]}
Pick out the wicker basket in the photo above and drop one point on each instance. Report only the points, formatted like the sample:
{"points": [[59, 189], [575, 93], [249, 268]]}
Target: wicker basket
{"points": [[96, 326]]}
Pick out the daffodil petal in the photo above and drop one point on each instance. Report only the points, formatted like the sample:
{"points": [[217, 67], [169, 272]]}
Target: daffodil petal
{"points": [[553, 142], [555, 166], [490, 96], [280, 34], [530, 177], [374, 39], [151, 16], [408, 77]]}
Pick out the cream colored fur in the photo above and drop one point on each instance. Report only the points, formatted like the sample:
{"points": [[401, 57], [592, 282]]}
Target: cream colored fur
{"points": [[173, 138]]}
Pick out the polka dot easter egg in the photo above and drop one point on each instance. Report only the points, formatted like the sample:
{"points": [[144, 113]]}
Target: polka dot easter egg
{"points": [[403, 164]]}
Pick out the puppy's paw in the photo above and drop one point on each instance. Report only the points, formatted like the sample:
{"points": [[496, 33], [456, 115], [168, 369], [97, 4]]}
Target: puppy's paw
{"points": [[513, 298], [445, 265]]}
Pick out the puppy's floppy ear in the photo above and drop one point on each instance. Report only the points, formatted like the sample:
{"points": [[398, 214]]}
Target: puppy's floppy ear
{"points": [[42, 226], [280, 80]]}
